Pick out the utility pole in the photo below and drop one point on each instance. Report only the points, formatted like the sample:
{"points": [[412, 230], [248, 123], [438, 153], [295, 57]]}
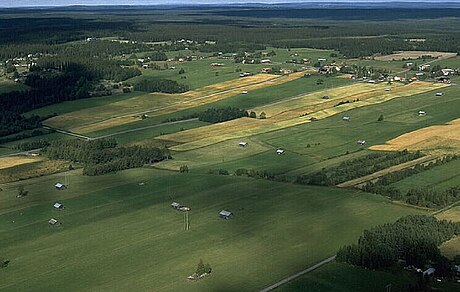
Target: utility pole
{"points": [[186, 221]]}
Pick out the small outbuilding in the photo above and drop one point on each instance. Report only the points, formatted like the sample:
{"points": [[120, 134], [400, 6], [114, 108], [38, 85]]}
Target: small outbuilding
{"points": [[176, 205], [439, 94], [58, 206], [59, 186], [421, 113], [361, 142], [346, 118], [225, 214], [243, 144], [54, 222], [244, 92], [279, 151], [429, 272]]}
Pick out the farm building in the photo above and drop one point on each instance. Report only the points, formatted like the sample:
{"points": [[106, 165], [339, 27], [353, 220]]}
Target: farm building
{"points": [[346, 118], [184, 209], [388, 89], [58, 206], [243, 144], [447, 71], [176, 205], [225, 214], [279, 151], [321, 59], [244, 92], [266, 70], [265, 61], [54, 222], [361, 142], [421, 113], [59, 186], [439, 94], [429, 272], [325, 97]]}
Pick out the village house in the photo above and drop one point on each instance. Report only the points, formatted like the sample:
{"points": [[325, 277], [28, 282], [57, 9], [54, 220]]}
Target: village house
{"points": [[424, 67], [447, 71], [444, 80]]}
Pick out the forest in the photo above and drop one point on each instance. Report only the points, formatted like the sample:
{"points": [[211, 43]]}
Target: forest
{"points": [[412, 239]]}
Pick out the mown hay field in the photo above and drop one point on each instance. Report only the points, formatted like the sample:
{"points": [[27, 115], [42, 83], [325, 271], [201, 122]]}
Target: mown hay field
{"points": [[414, 55], [7, 162], [295, 113], [434, 139]]}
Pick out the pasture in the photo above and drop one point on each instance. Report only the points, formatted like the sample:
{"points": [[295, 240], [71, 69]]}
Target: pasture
{"points": [[7, 85], [118, 234], [414, 55]]}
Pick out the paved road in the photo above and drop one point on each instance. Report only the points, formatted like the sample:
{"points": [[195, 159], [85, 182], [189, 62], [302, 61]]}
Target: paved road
{"points": [[67, 133], [301, 273]]}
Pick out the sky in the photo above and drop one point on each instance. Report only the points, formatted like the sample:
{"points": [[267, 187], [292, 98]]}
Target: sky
{"points": [[22, 3]]}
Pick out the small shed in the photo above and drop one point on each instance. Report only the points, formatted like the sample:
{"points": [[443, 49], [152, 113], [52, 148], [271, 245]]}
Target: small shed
{"points": [[279, 151], [54, 222], [243, 144], [429, 272], [244, 92], [225, 214], [346, 118], [361, 142], [421, 113], [439, 94], [59, 186], [176, 205], [58, 206], [388, 89]]}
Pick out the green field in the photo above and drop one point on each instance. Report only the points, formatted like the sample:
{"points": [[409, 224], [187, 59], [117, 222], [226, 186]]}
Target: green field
{"points": [[7, 85], [344, 277], [439, 178], [119, 235]]}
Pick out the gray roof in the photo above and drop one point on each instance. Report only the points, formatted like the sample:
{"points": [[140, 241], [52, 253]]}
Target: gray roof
{"points": [[225, 213]]}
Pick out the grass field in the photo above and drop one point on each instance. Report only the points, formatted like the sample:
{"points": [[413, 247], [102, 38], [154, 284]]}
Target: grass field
{"points": [[119, 235], [414, 55], [32, 169], [440, 178], [7, 85], [344, 277]]}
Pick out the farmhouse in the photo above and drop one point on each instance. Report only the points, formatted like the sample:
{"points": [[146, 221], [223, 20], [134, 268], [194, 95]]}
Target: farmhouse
{"points": [[58, 206], [361, 142], [59, 186], [243, 144], [421, 113], [447, 71], [279, 151], [225, 214], [54, 222], [176, 205]]}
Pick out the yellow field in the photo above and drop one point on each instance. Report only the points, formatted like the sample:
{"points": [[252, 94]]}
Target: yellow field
{"points": [[39, 168], [436, 139], [453, 214], [294, 112], [414, 55], [451, 248], [119, 113], [8, 162]]}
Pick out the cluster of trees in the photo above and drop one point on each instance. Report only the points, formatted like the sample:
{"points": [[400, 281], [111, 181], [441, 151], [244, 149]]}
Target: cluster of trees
{"points": [[160, 85], [217, 115], [157, 56], [413, 239], [12, 122], [425, 197], [264, 174], [357, 167], [103, 156], [203, 268], [364, 71], [33, 144], [25, 135]]}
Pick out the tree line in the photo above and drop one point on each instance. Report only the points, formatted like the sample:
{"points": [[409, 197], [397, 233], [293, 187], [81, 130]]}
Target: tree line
{"points": [[357, 167], [160, 85], [413, 239], [104, 155]]}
